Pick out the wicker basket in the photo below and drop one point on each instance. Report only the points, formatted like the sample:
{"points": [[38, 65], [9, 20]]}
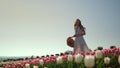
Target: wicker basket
{"points": [[70, 42]]}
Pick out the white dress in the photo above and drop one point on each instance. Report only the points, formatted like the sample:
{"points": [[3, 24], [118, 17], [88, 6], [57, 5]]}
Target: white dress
{"points": [[80, 44]]}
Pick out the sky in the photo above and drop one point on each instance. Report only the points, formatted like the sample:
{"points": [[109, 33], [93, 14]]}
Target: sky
{"points": [[40, 27]]}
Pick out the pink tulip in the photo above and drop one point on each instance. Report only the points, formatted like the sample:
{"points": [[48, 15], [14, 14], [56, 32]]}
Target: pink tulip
{"points": [[119, 49], [7, 66], [52, 57], [47, 61], [31, 61], [53, 60], [74, 56], [64, 57], [13, 66], [110, 51], [22, 64], [116, 52], [18, 64], [36, 62], [105, 52]]}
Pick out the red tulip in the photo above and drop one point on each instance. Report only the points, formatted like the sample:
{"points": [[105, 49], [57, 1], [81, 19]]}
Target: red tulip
{"points": [[87, 53], [93, 53], [83, 54], [110, 51]]}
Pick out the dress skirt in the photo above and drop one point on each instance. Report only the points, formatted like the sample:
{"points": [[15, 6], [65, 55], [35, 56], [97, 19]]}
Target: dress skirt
{"points": [[79, 43]]}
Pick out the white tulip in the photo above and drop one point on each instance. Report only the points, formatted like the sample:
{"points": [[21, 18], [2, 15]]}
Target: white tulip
{"points": [[106, 60], [78, 58], [35, 66], [59, 60], [70, 58], [41, 62], [98, 54], [119, 59], [27, 65], [89, 61]]}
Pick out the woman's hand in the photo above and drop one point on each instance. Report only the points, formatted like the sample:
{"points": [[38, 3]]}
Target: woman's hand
{"points": [[83, 32], [77, 35], [73, 36]]}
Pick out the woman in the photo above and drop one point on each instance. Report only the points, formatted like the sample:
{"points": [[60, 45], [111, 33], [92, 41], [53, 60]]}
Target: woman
{"points": [[79, 44]]}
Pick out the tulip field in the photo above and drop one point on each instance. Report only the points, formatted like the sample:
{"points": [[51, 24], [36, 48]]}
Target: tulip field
{"points": [[105, 58]]}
